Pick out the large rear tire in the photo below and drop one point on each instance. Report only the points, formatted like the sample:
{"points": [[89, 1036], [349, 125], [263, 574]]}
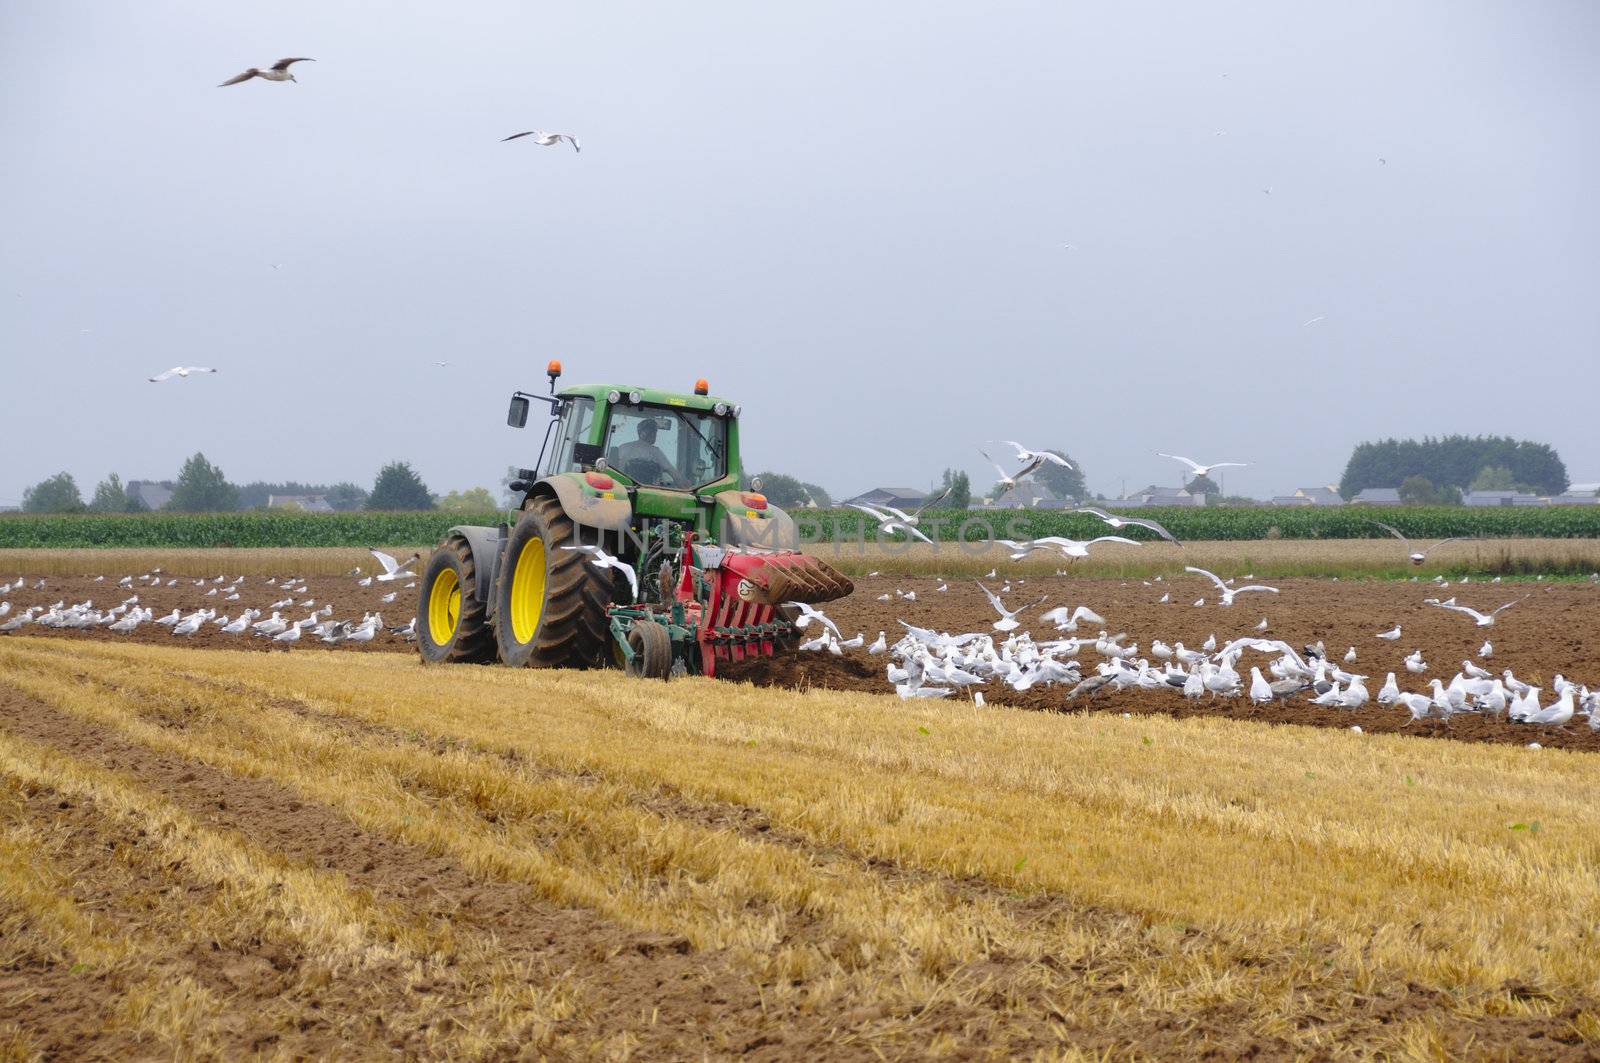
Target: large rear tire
{"points": [[452, 625], [550, 604]]}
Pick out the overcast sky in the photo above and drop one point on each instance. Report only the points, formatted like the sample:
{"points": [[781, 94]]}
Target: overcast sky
{"points": [[853, 218]]}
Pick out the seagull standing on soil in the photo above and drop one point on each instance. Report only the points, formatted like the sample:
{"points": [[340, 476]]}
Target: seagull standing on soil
{"points": [[180, 371], [546, 139], [1392, 635], [278, 71]]}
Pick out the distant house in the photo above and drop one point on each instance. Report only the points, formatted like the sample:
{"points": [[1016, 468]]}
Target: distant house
{"points": [[1378, 496], [1028, 495], [307, 503], [1291, 501], [1321, 496], [153, 493], [1583, 489], [1574, 498], [906, 498], [1157, 496], [1501, 498]]}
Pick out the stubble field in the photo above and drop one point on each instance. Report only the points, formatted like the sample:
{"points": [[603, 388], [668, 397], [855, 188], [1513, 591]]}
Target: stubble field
{"points": [[206, 850]]}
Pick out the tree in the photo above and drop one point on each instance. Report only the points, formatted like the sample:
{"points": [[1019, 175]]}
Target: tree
{"points": [[960, 487], [790, 491], [1417, 491], [110, 496], [1063, 482], [472, 500], [1203, 485], [1452, 461], [346, 496], [399, 487], [1493, 478], [202, 488], [58, 494]]}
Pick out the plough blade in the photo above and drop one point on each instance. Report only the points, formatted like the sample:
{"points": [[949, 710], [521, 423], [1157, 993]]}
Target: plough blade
{"points": [[771, 579]]}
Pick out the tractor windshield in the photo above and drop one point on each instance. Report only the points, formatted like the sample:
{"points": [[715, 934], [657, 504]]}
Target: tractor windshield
{"points": [[665, 446]]}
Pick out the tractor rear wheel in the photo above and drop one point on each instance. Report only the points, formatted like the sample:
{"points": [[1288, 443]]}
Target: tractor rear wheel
{"points": [[550, 604], [652, 650], [452, 626]]}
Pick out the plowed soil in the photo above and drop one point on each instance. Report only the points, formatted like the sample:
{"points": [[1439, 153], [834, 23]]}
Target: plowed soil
{"points": [[1551, 632]]}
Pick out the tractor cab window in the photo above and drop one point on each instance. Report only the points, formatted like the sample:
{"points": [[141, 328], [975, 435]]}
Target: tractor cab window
{"points": [[573, 429], [665, 446]]}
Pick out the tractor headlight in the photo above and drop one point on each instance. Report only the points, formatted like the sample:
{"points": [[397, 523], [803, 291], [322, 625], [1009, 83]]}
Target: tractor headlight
{"points": [[635, 398], [755, 483], [613, 397], [720, 409], [737, 409]]}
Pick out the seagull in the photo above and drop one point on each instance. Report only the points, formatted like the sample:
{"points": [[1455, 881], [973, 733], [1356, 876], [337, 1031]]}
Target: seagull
{"points": [[1487, 649], [547, 139], [892, 524], [1417, 557], [1313, 321], [1226, 591], [1482, 619], [1415, 664], [392, 569], [1008, 617], [1123, 522], [1067, 619], [1026, 455], [808, 614], [600, 559], [1069, 547], [278, 71], [1392, 635], [179, 371], [1203, 470]]}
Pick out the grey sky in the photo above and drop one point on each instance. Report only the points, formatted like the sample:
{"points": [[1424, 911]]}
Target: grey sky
{"points": [[850, 217]]}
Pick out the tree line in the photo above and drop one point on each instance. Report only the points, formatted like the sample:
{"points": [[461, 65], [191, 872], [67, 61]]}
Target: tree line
{"points": [[202, 487], [1437, 470]]}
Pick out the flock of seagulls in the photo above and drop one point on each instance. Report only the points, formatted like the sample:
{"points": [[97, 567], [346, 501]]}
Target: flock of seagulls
{"points": [[129, 614], [931, 664]]}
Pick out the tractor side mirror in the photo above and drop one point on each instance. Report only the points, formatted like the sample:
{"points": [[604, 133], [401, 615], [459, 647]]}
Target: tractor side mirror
{"points": [[517, 416]]}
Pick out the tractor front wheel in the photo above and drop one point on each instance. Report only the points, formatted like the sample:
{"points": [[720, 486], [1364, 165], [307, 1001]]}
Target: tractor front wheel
{"points": [[451, 622], [550, 604]]}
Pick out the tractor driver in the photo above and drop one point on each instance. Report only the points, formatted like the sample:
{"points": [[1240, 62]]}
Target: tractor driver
{"points": [[644, 450]]}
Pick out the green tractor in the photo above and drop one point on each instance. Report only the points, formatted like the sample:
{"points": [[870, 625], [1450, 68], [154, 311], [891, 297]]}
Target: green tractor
{"points": [[635, 546]]}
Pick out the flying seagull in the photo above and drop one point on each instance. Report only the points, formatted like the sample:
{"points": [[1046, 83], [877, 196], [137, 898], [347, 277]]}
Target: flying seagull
{"points": [[1226, 591], [1008, 617], [1202, 470], [1122, 522], [1481, 619], [1026, 455], [1418, 556], [1314, 320], [547, 139], [278, 71], [600, 559], [179, 371], [393, 569]]}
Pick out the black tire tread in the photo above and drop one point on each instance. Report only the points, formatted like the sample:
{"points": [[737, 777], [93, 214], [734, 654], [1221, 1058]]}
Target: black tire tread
{"points": [[574, 631], [473, 641]]}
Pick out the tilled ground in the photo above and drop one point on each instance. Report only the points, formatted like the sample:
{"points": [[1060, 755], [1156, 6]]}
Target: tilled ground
{"points": [[1549, 633]]}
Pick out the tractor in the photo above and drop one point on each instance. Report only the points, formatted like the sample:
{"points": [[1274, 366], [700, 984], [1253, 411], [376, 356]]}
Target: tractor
{"points": [[635, 545]]}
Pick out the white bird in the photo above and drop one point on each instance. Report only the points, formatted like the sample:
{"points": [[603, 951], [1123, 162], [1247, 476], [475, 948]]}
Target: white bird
{"points": [[1122, 522], [546, 139], [1390, 692], [1391, 635], [1417, 556], [1008, 617], [808, 614], [1319, 317], [1263, 625], [1415, 664], [290, 635], [1226, 591], [600, 559], [1067, 620], [278, 71], [1203, 470], [1486, 650], [1071, 548], [1260, 689], [392, 595], [392, 568], [180, 371], [1420, 705], [1481, 619], [879, 645], [1027, 456], [1556, 715], [1350, 655], [890, 524]]}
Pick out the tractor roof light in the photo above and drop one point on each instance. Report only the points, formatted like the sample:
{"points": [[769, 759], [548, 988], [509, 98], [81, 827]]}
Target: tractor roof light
{"points": [[613, 396], [701, 387], [635, 397], [554, 367], [720, 409], [737, 409]]}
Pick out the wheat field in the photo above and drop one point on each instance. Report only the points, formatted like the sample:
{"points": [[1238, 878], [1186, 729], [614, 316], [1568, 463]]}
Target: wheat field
{"points": [[702, 868]]}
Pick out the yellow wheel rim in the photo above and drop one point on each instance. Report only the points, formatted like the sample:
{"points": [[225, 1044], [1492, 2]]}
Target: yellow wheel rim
{"points": [[444, 606], [527, 590]]}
